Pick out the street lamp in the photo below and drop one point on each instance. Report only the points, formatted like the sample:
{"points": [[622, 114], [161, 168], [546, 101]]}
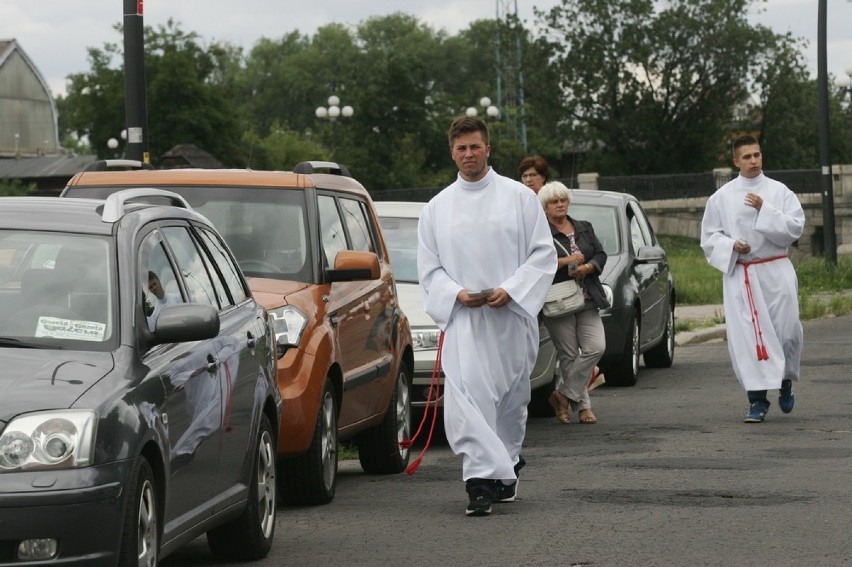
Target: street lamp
{"points": [[334, 111], [845, 85], [491, 111], [112, 143]]}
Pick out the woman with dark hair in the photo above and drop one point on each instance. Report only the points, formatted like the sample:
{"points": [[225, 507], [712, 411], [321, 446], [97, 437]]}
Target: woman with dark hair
{"points": [[534, 172]]}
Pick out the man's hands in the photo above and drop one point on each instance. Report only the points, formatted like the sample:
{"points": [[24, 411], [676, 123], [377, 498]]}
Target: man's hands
{"points": [[497, 298], [753, 200]]}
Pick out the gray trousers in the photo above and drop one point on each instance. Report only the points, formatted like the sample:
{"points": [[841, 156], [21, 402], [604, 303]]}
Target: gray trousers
{"points": [[580, 343]]}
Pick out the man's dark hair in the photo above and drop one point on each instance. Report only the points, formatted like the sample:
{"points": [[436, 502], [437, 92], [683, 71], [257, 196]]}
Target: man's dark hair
{"points": [[466, 125], [744, 140]]}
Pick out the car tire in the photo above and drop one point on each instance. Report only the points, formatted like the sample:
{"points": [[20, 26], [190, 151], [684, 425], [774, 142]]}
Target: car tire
{"points": [[379, 448], [311, 478], [626, 369], [140, 537], [249, 537], [662, 355]]}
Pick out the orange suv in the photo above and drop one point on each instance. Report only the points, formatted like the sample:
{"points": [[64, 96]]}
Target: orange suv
{"points": [[311, 248]]}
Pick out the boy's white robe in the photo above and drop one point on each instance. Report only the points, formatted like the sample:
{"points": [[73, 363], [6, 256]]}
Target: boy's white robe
{"points": [[487, 234], [774, 286]]}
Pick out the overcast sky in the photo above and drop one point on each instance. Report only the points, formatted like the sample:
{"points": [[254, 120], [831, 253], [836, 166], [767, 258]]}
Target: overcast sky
{"points": [[55, 34]]}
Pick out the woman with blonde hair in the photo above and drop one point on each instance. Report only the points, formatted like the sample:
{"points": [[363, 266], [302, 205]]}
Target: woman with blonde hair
{"points": [[578, 337]]}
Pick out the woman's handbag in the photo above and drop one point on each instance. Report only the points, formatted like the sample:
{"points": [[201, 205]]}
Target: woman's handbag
{"points": [[563, 298]]}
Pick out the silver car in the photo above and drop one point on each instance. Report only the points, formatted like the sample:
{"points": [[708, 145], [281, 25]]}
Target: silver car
{"points": [[399, 227]]}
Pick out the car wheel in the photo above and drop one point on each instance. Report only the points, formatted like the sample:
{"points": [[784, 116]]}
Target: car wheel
{"points": [[624, 372], [539, 405], [311, 478], [379, 448], [662, 355], [140, 538], [249, 537]]}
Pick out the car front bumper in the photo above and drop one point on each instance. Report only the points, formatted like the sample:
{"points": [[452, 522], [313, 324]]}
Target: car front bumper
{"points": [[82, 509]]}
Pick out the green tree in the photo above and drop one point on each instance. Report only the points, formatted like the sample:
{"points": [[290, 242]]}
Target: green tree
{"points": [[186, 96], [16, 188], [651, 86]]}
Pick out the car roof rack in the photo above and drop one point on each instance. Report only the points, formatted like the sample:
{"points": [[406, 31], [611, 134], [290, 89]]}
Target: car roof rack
{"points": [[312, 166], [104, 164], [114, 205]]}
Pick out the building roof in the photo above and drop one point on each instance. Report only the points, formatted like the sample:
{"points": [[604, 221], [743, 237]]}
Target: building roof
{"points": [[44, 166]]}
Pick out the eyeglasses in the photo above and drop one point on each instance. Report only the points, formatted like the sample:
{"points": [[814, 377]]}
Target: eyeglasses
{"points": [[530, 175]]}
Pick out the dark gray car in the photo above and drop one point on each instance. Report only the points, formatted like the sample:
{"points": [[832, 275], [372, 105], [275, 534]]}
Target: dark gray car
{"points": [[138, 404], [638, 281]]}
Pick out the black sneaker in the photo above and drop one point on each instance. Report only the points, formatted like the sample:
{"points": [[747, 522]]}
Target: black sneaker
{"points": [[506, 492], [509, 492], [481, 494]]}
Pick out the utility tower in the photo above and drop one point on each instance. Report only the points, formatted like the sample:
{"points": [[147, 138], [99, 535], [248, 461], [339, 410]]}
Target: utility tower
{"points": [[510, 74]]}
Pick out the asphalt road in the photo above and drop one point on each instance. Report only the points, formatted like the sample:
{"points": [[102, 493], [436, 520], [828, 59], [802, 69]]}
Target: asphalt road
{"points": [[669, 476]]}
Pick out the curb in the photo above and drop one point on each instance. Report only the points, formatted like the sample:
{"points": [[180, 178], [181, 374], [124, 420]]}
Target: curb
{"points": [[714, 333]]}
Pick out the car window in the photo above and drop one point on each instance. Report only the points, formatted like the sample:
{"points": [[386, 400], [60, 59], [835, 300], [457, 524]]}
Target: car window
{"points": [[642, 223], [191, 265], [56, 287], [158, 281], [605, 222], [229, 270], [401, 240], [331, 229], [360, 233]]}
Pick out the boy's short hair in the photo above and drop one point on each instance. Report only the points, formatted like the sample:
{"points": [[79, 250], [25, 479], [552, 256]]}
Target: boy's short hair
{"points": [[466, 125]]}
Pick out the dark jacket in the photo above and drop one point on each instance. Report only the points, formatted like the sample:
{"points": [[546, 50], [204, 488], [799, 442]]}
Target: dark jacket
{"points": [[593, 252]]}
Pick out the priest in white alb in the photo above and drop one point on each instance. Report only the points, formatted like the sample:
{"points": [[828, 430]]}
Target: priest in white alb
{"points": [[747, 228], [485, 233]]}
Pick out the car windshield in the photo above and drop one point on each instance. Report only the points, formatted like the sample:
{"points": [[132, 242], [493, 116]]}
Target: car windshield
{"points": [[56, 290], [603, 219], [401, 239]]}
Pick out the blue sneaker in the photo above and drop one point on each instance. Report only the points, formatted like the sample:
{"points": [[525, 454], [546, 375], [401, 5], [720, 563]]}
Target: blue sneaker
{"points": [[756, 412], [786, 399]]}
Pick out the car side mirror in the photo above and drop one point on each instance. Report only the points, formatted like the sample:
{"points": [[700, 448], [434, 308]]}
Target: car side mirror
{"points": [[186, 322], [650, 254], [351, 265]]}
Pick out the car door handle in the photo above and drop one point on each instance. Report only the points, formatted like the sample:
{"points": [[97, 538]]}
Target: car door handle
{"points": [[252, 340], [212, 364]]}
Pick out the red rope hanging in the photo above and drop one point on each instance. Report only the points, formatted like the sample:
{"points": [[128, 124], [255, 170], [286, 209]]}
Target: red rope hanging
{"points": [[431, 405], [755, 320]]}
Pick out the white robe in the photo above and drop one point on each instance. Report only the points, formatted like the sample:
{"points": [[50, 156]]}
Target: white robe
{"points": [[774, 286], [488, 234]]}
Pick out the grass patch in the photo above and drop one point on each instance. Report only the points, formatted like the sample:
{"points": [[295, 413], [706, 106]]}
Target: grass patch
{"points": [[824, 289]]}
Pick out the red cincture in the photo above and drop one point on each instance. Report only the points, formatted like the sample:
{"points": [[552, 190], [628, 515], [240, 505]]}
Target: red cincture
{"points": [[431, 404], [755, 320]]}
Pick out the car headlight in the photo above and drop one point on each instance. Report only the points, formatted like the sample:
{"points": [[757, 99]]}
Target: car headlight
{"points": [[425, 338], [49, 440], [289, 323]]}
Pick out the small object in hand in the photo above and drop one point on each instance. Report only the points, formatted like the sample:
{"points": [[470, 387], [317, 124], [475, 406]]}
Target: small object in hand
{"points": [[481, 292], [742, 242]]}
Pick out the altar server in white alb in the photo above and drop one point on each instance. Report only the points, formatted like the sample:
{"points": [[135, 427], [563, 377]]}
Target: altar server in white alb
{"points": [[748, 225], [485, 233]]}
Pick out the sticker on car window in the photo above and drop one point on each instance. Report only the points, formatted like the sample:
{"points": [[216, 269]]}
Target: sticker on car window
{"points": [[58, 328]]}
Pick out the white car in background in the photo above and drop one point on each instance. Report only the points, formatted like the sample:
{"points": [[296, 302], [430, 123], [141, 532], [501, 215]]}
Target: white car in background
{"points": [[399, 220]]}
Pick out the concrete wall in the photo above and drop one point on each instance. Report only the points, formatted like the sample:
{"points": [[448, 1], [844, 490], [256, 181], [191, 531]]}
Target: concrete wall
{"points": [[682, 217]]}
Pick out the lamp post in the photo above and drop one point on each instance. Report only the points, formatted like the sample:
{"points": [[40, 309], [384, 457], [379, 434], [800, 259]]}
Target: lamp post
{"points": [[491, 111], [829, 235], [332, 113]]}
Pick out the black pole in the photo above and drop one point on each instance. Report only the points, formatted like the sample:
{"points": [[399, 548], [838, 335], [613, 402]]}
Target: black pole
{"points": [[829, 237], [135, 112]]}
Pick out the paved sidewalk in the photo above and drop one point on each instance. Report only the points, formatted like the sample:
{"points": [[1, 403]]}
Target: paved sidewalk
{"points": [[700, 314]]}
